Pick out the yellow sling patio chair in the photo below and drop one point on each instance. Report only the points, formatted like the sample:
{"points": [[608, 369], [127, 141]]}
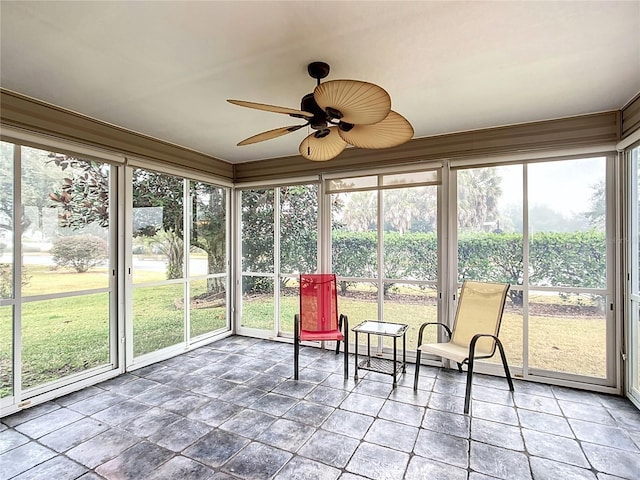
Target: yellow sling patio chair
{"points": [[475, 331]]}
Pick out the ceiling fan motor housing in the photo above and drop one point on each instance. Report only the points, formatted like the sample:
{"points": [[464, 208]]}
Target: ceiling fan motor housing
{"points": [[319, 120]]}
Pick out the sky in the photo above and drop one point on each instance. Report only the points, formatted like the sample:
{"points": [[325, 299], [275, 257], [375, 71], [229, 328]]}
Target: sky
{"points": [[563, 186]]}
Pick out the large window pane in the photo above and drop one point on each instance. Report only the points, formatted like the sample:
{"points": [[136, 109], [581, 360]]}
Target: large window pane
{"points": [[208, 311], [66, 223], [567, 333], [158, 212], [354, 235], [289, 303], [6, 219], [568, 245], [65, 237], [490, 241], [207, 253], [257, 302], [157, 322], [412, 305], [257, 231], [207, 256], [63, 336], [568, 248], [298, 246], [258, 256], [6, 351], [298, 229]]}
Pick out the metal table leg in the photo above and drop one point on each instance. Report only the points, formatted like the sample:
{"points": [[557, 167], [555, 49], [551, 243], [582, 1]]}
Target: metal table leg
{"points": [[395, 343], [355, 377], [404, 352]]}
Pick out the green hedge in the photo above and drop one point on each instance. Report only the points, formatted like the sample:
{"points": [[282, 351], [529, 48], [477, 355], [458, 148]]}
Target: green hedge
{"points": [[556, 259]]}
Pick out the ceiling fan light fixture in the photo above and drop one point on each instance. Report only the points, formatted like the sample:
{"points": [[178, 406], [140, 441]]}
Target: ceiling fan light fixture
{"points": [[324, 147]]}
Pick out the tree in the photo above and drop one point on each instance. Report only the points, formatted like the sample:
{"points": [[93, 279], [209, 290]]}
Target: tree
{"points": [[257, 238], [298, 228], [597, 212], [360, 212], [209, 229], [478, 194], [83, 198], [81, 252], [153, 190], [37, 180], [83, 195], [298, 217]]}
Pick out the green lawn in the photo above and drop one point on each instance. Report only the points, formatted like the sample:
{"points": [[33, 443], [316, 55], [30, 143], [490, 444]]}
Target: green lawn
{"points": [[68, 335], [567, 343]]}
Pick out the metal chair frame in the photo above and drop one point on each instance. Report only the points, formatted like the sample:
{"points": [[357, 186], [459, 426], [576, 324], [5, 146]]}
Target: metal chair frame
{"points": [[343, 329], [470, 359]]}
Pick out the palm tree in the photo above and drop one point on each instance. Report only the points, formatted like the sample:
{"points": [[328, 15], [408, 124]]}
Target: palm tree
{"points": [[478, 194]]}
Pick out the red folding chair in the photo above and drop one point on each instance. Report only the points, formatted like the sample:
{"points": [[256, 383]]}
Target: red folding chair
{"points": [[318, 319]]}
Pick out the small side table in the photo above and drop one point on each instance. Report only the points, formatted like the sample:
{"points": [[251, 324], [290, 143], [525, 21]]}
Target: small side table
{"points": [[382, 365]]}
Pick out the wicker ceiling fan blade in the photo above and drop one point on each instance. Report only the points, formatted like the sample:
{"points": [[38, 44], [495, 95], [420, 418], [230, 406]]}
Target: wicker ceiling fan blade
{"points": [[390, 132], [353, 101], [272, 108], [268, 135], [322, 145]]}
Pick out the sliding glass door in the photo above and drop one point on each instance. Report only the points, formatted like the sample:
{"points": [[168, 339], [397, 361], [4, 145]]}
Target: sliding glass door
{"points": [[179, 261], [57, 270], [549, 238], [386, 249], [7, 271], [633, 267], [278, 241]]}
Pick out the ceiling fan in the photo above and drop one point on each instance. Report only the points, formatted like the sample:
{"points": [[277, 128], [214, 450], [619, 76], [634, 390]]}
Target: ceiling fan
{"points": [[341, 112]]}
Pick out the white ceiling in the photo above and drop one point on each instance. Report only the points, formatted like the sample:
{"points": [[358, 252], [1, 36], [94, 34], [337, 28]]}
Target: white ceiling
{"points": [[166, 68]]}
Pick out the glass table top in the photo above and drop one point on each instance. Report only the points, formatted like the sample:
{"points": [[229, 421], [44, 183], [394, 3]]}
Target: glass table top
{"points": [[381, 328]]}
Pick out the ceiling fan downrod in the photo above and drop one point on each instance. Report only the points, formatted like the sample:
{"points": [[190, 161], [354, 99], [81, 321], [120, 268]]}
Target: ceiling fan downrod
{"points": [[318, 70]]}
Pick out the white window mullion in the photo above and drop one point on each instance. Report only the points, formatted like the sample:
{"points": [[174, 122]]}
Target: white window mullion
{"points": [[324, 229], [128, 267], [615, 270], [228, 222], [446, 265], [187, 212], [121, 255], [17, 274], [237, 261], [525, 270], [380, 279], [276, 261], [450, 292]]}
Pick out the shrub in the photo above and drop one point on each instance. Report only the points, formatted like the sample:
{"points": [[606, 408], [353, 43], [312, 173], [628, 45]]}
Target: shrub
{"points": [[575, 259], [80, 252]]}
